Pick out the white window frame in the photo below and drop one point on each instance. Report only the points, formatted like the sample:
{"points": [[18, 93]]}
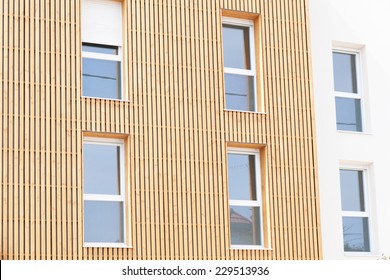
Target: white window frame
{"points": [[250, 203], [359, 214], [244, 72], [106, 197], [109, 57], [359, 86]]}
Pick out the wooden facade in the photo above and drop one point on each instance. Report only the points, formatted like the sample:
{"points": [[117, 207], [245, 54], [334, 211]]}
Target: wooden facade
{"points": [[175, 124]]}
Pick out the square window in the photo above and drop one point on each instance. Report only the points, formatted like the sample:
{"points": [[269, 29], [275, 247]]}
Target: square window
{"points": [[245, 198], [101, 72], [356, 236], [104, 194], [356, 231], [348, 114], [347, 91], [239, 64], [245, 225], [103, 222], [239, 92]]}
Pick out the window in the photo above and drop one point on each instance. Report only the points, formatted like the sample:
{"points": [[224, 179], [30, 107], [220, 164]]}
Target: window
{"points": [[101, 71], [347, 91], [104, 194], [354, 210], [102, 49], [245, 199], [239, 64]]}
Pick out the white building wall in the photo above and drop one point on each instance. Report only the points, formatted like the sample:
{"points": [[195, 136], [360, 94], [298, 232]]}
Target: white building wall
{"points": [[363, 25]]}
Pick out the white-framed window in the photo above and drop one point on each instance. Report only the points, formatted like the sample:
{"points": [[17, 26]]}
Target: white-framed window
{"points": [[355, 210], [239, 64], [348, 90], [245, 198], [102, 71], [102, 49], [104, 192]]}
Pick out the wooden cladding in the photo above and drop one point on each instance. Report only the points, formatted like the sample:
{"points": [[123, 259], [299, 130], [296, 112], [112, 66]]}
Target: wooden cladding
{"points": [[176, 126]]}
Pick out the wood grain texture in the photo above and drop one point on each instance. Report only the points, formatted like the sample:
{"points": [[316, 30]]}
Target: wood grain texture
{"points": [[176, 127]]}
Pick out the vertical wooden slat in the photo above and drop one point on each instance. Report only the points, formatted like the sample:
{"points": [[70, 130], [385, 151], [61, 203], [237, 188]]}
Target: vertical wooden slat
{"points": [[11, 122], [159, 154], [3, 203], [40, 143], [5, 146]]}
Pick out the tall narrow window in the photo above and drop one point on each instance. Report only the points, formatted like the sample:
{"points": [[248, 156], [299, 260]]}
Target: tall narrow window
{"points": [[245, 197], [102, 49], [355, 212], [239, 64], [104, 195], [347, 91]]}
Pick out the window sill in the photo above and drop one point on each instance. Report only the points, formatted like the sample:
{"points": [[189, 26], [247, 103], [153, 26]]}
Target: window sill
{"points": [[354, 132], [106, 245], [361, 254], [103, 98], [249, 247], [242, 111]]}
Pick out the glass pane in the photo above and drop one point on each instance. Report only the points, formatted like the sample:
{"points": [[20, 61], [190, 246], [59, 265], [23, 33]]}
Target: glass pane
{"points": [[100, 49], [101, 78], [242, 177], [239, 92], [101, 169], [352, 196], [348, 114], [344, 72], [245, 225], [236, 52], [103, 221], [356, 238]]}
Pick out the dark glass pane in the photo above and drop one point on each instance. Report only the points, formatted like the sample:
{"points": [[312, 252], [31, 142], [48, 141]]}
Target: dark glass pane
{"points": [[239, 92], [101, 169], [242, 177], [103, 221], [344, 72], [352, 195], [245, 225], [356, 237], [101, 78], [348, 114], [100, 49], [236, 51]]}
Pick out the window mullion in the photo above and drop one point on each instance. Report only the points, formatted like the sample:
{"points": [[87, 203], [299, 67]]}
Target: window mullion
{"points": [[254, 203], [347, 95], [238, 71], [355, 214], [103, 197]]}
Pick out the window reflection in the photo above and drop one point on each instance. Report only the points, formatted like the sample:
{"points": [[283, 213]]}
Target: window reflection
{"points": [[348, 114], [245, 225], [344, 72], [101, 78], [241, 177], [236, 51], [239, 92], [356, 238], [103, 221]]}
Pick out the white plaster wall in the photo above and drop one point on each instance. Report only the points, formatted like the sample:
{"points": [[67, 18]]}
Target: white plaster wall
{"points": [[365, 25]]}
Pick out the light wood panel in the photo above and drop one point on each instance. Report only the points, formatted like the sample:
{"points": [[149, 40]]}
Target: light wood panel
{"points": [[176, 126]]}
